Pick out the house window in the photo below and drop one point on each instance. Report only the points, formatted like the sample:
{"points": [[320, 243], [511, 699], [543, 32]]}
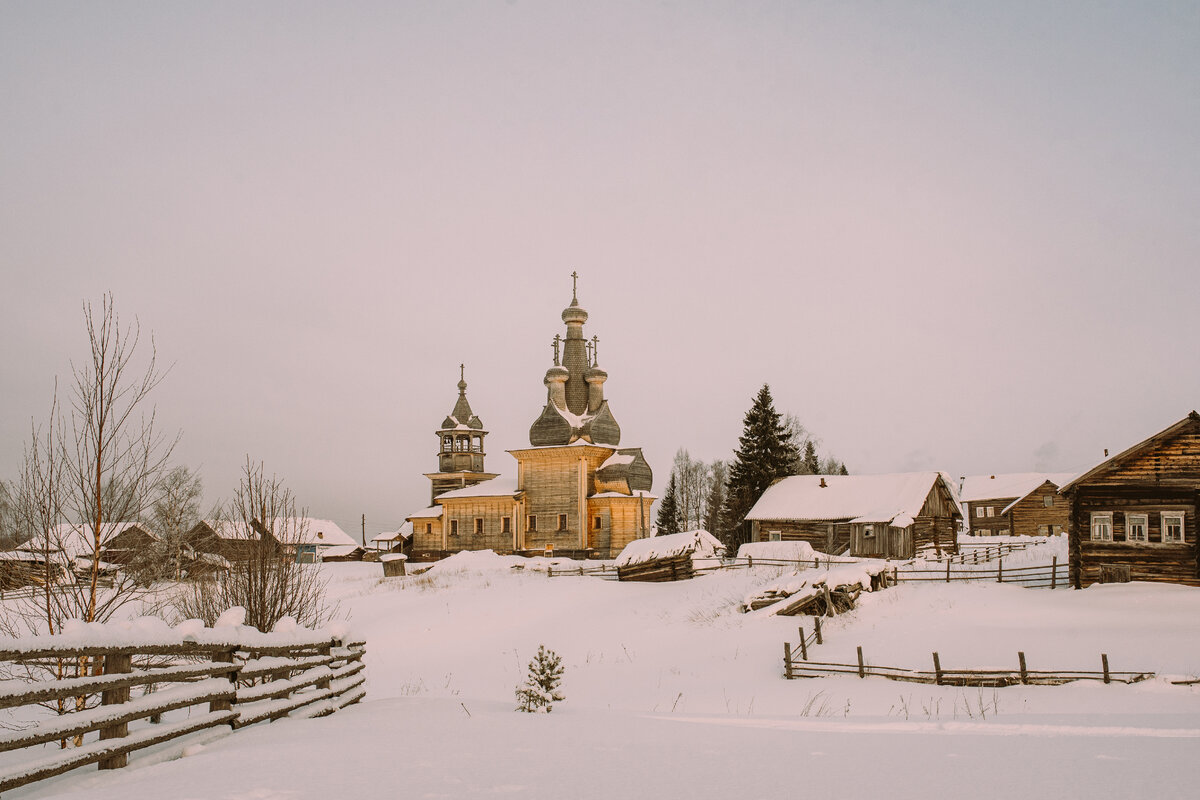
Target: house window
{"points": [[428, 527], [562, 522], [479, 524], [985, 532], [597, 523], [868, 531], [506, 524], [1135, 527], [1043, 530], [532, 526], [991, 511], [979, 511], [1102, 527], [1172, 526], [454, 527], [774, 536], [1048, 500]]}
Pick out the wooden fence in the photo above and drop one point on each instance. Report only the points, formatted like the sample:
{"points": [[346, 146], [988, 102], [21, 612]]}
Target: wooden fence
{"points": [[1041, 576], [795, 665], [982, 553], [89, 691]]}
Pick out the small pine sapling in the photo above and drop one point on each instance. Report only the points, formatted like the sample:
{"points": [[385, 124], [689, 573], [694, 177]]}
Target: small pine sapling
{"points": [[540, 690]]}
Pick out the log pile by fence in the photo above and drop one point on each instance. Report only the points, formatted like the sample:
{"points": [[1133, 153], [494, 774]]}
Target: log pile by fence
{"points": [[669, 568], [101, 701], [796, 665]]}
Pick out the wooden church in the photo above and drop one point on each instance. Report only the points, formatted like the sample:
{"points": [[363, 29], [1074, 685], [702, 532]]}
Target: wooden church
{"points": [[577, 492]]}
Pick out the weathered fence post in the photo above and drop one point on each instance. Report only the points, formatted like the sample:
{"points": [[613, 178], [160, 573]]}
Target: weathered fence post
{"points": [[895, 576], [327, 650], [224, 705], [817, 622], [1000, 570], [937, 670], [787, 660], [749, 562], [1104, 662], [1024, 672], [829, 609], [1054, 573], [862, 672], [947, 570], [803, 645], [115, 664]]}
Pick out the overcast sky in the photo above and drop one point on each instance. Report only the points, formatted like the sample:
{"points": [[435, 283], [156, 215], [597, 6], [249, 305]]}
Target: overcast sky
{"points": [[948, 236]]}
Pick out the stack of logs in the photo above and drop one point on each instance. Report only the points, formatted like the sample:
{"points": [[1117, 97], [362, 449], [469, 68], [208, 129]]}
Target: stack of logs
{"points": [[670, 568]]}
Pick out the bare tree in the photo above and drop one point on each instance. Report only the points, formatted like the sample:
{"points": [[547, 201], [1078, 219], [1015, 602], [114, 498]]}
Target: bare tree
{"points": [[264, 576], [691, 486], [714, 498], [175, 512]]}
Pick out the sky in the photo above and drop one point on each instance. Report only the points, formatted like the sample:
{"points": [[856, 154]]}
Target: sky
{"points": [[954, 236]]}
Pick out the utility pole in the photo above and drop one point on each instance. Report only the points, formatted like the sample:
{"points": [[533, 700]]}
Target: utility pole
{"points": [[364, 529]]}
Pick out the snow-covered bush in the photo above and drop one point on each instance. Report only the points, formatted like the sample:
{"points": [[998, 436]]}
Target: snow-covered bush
{"points": [[540, 690]]}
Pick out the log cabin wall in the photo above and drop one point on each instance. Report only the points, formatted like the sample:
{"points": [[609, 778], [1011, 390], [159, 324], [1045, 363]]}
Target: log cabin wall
{"points": [[621, 523], [937, 524], [827, 536], [996, 524], [480, 523], [1152, 560], [556, 481], [880, 540], [427, 535], [1033, 517]]}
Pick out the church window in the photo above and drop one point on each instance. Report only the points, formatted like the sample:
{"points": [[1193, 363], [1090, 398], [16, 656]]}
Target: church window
{"points": [[562, 522], [477, 444], [532, 522], [479, 524], [597, 523], [454, 527], [506, 524], [447, 444]]}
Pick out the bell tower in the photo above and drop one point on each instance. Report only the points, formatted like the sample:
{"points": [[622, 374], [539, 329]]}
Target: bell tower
{"points": [[460, 447]]}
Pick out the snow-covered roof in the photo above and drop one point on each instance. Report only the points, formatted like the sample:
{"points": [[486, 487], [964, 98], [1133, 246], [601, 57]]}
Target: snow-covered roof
{"points": [[638, 493], [700, 544], [77, 540], [850, 498], [616, 459], [339, 550], [404, 532], [1013, 484], [309, 530], [433, 512], [502, 486]]}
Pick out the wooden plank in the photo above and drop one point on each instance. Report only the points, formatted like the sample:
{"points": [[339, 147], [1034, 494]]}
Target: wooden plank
{"points": [[19, 693], [22, 774]]}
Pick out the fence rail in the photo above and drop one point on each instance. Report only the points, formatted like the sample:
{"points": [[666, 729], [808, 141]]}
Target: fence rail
{"points": [[1040, 576], [799, 667], [88, 690], [981, 553]]}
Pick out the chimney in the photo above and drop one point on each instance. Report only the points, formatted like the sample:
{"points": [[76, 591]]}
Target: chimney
{"points": [[1106, 452], [823, 484], [993, 477]]}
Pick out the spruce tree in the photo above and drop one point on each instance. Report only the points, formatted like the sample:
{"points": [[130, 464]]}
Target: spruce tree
{"points": [[812, 464], [668, 509], [540, 690], [842, 469], [765, 452]]}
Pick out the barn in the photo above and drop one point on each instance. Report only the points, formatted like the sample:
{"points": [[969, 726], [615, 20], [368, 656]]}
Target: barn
{"points": [[878, 516]]}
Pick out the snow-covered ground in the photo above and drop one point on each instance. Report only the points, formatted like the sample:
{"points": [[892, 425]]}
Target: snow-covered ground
{"points": [[673, 692]]}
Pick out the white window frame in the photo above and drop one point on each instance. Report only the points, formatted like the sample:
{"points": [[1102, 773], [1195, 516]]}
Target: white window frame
{"points": [[1106, 518], [1047, 501], [991, 511], [1179, 515], [774, 536], [1132, 519], [979, 512]]}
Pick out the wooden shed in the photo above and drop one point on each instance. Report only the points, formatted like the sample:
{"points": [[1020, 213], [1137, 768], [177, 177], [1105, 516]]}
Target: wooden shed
{"points": [[1133, 516], [880, 516]]}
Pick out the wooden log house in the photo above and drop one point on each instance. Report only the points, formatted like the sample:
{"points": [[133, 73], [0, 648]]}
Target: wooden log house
{"points": [[1134, 515], [1015, 504], [879, 516]]}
